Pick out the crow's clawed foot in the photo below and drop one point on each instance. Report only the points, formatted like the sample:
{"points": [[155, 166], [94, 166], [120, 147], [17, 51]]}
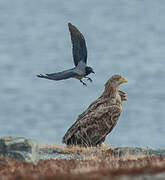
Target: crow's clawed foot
{"points": [[89, 79], [84, 84]]}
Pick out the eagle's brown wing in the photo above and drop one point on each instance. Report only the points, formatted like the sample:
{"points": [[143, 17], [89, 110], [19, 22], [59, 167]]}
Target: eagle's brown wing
{"points": [[91, 129], [93, 106]]}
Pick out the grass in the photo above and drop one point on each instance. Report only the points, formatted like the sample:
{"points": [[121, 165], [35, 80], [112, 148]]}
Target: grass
{"points": [[77, 149], [100, 163]]}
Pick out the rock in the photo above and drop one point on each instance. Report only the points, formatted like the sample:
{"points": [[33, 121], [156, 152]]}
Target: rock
{"points": [[24, 149], [56, 154], [19, 148], [159, 176], [138, 150]]}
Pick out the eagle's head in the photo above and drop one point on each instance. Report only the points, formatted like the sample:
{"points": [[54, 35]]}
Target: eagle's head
{"points": [[113, 84], [116, 80]]}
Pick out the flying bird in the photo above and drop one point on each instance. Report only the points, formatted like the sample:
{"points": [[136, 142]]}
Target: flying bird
{"points": [[79, 51], [94, 124]]}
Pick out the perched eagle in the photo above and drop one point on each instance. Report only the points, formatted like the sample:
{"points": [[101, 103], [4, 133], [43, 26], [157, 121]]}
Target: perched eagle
{"points": [[94, 124]]}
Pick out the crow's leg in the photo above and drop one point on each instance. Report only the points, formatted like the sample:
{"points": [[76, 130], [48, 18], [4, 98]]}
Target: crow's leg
{"points": [[83, 83], [88, 78]]}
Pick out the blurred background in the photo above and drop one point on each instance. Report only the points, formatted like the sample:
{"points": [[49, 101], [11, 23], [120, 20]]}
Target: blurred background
{"points": [[123, 37]]}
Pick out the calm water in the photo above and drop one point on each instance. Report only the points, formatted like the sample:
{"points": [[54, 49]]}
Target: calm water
{"points": [[125, 37]]}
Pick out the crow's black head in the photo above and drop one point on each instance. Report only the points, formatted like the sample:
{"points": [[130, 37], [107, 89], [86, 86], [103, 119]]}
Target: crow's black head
{"points": [[89, 70]]}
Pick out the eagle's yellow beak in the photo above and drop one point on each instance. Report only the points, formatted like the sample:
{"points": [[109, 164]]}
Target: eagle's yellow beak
{"points": [[123, 80]]}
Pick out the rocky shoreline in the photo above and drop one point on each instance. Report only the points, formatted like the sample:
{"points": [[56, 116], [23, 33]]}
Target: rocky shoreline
{"points": [[55, 153], [28, 150], [25, 158]]}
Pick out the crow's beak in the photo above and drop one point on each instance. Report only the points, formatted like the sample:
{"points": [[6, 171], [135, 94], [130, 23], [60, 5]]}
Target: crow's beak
{"points": [[93, 72]]}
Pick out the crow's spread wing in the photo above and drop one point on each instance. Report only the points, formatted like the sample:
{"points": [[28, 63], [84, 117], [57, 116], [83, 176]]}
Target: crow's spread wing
{"points": [[79, 46], [70, 73]]}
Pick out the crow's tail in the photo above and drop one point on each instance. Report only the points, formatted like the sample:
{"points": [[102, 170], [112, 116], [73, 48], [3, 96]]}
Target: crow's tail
{"points": [[46, 76]]}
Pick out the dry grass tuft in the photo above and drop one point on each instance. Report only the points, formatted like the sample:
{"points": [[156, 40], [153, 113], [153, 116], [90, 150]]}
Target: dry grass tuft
{"points": [[78, 149]]}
